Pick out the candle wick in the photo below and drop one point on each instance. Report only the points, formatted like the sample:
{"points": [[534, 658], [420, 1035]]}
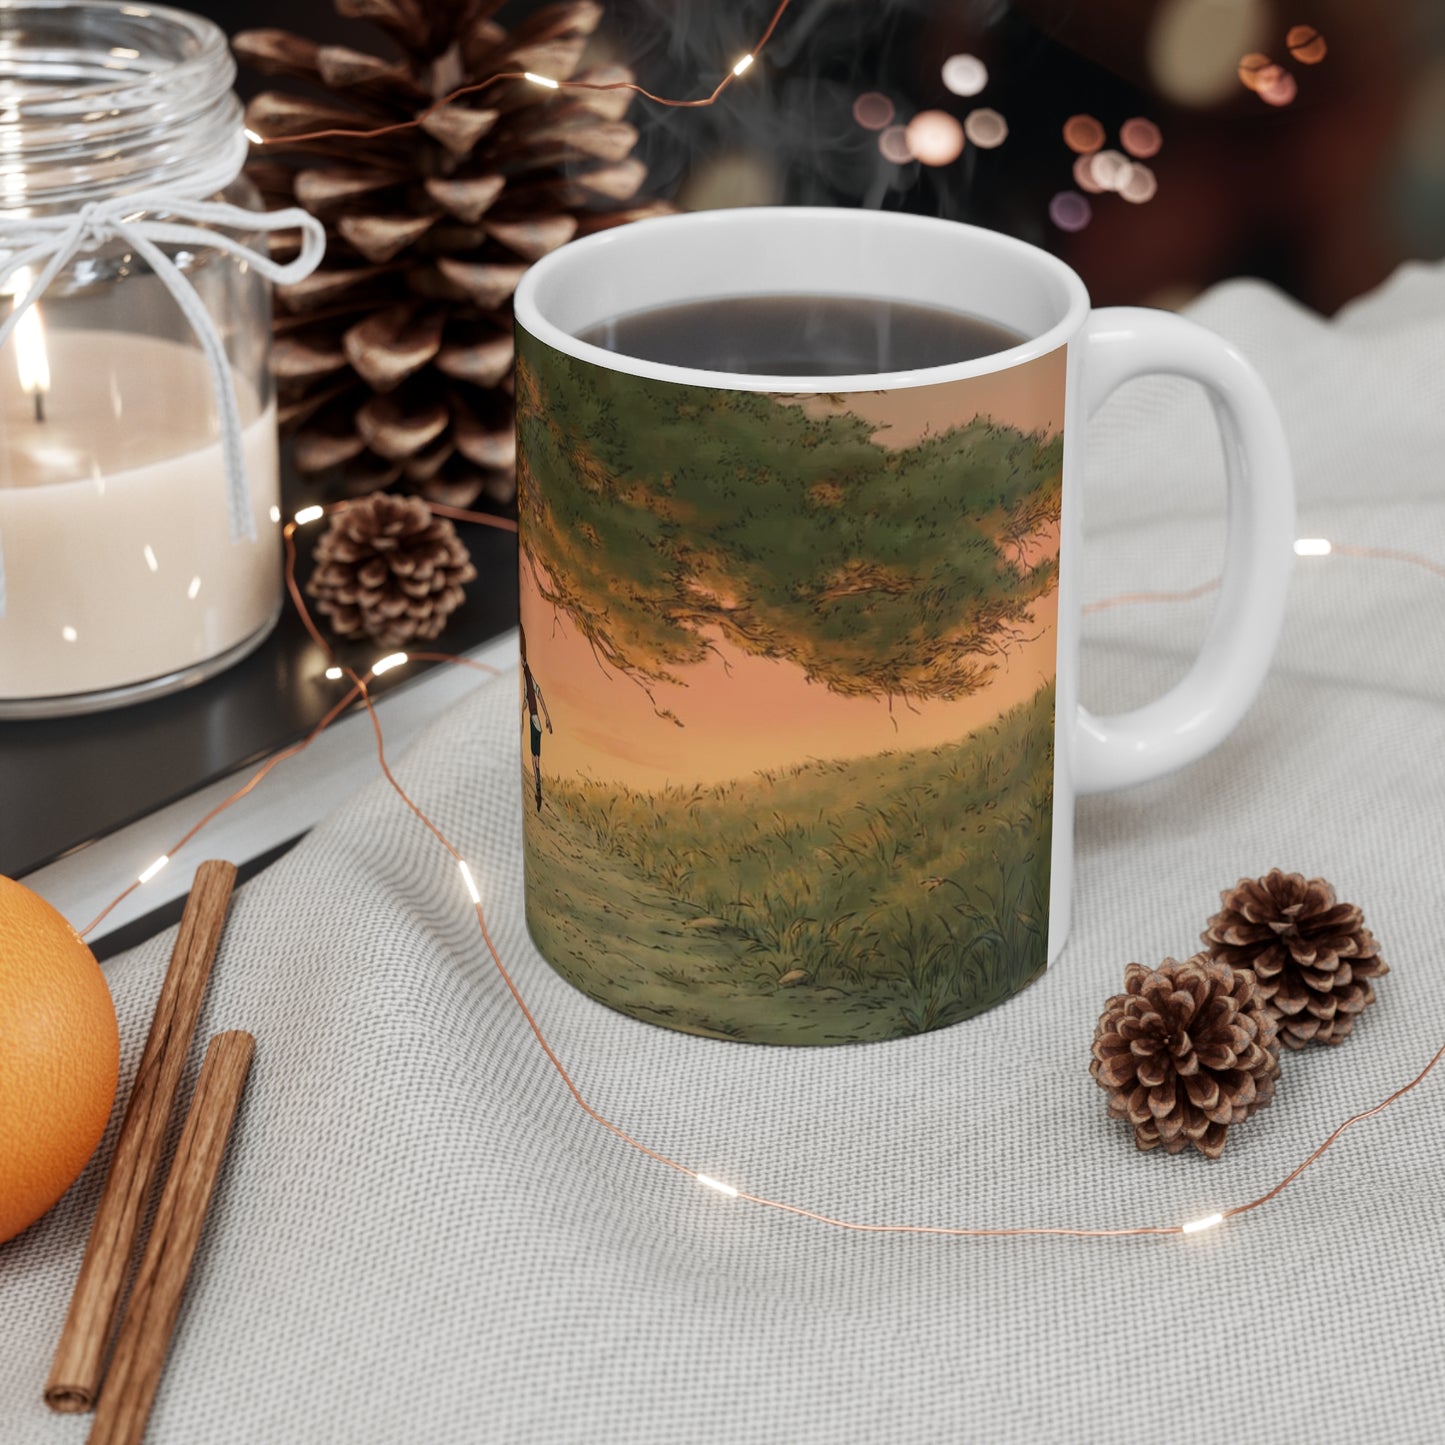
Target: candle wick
{"points": [[39, 404]]}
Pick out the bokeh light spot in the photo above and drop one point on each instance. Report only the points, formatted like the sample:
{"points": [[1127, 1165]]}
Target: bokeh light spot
{"points": [[1141, 138], [872, 110], [1141, 184], [985, 128], [1194, 46], [1084, 175], [1110, 170], [1082, 133], [1070, 211], [1306, 44], [893, 142], [965, 74], [1279, 88], [733, 179], [1252, 66], [1266, 76], [934, 137]]}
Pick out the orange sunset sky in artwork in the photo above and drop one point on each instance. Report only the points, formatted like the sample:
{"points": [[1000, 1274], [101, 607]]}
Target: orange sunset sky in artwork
{"points": [[740, 712]]}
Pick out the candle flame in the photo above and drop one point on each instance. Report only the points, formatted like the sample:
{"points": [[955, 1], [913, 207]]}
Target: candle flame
{"points": [[30, 355]]}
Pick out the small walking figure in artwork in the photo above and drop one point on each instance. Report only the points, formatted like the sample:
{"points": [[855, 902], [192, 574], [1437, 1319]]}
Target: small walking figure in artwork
{"points": [[532, 699]]}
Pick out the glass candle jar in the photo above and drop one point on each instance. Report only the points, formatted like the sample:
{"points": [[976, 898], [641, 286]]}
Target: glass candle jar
{"points": [[136, 561]]}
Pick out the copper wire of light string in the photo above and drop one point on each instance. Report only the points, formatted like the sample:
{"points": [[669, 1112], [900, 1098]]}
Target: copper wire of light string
{"points": [[1388, 554], [1353, 1119], [359, 690], [345, 133], [1130, 599], [460, 514], [1342, 549]]}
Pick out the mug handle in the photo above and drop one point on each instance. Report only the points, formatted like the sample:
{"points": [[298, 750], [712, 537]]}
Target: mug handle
{"points": [[1195, 715]]}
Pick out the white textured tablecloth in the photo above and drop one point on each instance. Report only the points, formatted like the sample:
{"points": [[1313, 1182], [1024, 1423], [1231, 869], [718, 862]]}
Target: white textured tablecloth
{"points": [[418, 1236]]}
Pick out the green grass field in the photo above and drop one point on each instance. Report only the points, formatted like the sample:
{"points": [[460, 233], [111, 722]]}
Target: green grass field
{"points": [[832, 901]]}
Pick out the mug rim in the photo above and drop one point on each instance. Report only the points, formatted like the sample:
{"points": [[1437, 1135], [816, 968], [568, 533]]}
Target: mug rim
{"points": [[528, 310]]}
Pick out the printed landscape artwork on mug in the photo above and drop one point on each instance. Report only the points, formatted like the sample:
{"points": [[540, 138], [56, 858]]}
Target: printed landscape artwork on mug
{"points": [[787, 701]]}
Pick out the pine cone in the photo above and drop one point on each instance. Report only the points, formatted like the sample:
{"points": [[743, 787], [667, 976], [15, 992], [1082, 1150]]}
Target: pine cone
{"points": [[1313, 957], [388, 570], [394, 360], [1185, 1051]]}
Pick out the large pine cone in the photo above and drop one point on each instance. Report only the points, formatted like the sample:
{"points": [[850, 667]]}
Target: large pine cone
{"points": [[1313, 956], [394, 360], [1185, 1051], [388, 570]]}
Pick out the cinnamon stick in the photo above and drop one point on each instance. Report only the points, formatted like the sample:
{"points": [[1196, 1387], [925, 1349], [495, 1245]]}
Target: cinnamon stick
{"points": [[155, 1298], [79, 1362]]}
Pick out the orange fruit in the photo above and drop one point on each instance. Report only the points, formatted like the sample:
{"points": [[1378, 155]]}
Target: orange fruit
{"points": [[59, 1056]]}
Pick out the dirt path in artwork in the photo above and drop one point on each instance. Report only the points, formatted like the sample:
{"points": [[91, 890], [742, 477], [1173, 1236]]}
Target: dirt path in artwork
{"points": [[659, 957]]}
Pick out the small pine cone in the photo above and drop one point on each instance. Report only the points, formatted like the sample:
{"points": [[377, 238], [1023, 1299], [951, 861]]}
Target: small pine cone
{"points": [[1185, 1051], [1313, 956], [389, 570]]}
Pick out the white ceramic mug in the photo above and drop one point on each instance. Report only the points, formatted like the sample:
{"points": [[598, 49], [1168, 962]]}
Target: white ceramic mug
{"points": [[719, 838]]}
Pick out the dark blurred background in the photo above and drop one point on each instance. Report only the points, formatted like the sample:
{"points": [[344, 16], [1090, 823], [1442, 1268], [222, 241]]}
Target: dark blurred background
{"points": [[1319, 166]]}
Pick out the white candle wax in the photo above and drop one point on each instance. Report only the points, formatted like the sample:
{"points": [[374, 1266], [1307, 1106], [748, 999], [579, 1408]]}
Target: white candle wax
{"points": [[114, 522]]}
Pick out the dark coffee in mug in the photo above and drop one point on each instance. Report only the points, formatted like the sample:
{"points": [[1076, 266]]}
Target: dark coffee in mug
{"points": [[801, 335]]}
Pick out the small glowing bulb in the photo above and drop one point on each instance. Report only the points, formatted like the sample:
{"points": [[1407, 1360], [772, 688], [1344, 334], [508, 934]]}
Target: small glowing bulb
{"points": [[469, 880], [309, 514], [385, 664], [742, 64], [711, 1183], [1196, 1225], [1313, 547], [154, 868], [256, 140], [541, 80], [69, 634], [333, 673]]}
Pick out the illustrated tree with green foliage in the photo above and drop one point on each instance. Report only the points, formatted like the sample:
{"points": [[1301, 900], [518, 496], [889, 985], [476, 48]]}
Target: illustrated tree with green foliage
{"points": [[660, 517]]}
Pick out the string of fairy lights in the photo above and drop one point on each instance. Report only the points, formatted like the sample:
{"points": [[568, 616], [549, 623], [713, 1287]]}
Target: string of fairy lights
{"points": [[546, 82], [931, 137], [359, 690]]}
